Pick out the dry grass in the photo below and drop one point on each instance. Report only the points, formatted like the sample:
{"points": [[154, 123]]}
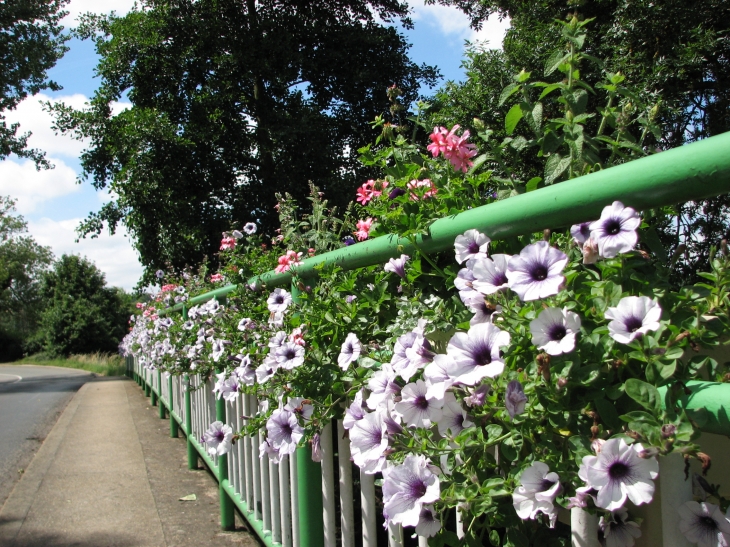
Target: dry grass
{"points": [[103, 364]]}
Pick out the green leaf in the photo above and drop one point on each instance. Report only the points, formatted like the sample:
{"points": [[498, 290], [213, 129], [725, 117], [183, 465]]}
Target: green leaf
{"points": [[644, 394], [554, 167], [533, 183], [608, 414], [549, 89], [554, 61], [513, 117], [507, 92]]}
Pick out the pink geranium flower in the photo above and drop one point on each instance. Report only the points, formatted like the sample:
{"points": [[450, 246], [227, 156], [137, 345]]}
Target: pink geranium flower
{"points": [[228, 243], [454, 148], [371, 189], [416, 195], [286, 261], [216, 278], [363, 229]]}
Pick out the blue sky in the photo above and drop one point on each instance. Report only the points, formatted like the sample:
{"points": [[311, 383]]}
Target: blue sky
{"points": [[52, 202]]}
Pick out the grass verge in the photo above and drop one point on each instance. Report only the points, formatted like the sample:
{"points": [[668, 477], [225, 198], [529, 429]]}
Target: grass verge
{"points": [[103, 364]]}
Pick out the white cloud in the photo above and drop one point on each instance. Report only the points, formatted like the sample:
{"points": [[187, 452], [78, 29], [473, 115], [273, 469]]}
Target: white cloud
{"points": [[452, 22], [21, 181], [33, 118], [113, 255], [77, 7]]}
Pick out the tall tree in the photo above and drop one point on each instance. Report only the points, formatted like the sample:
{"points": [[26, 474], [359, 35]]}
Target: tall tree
{"points": [[22, 263], [31, 41], [230, 103], [82, 314]]}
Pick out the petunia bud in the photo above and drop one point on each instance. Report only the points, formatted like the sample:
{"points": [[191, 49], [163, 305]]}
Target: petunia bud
{"points": [[668, 430], [515, 398]]}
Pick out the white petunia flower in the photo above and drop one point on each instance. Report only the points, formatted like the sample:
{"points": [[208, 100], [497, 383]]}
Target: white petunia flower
{"points": [[471, 244], [615, 231], [218, 438], [490, 274], [437, 377], [428, 523], [618, 473], [475, 354], [249, 228], [634, 316], [407, 488], [349, 352], [453, 417], [581, 232], [266, 369], [284, 431], [245, 372], [369, 442], [618, 530], [382, 385], [554, 330], [354, 412], [289, 355], [515, 399], [537, 272], [704, 524], [416, 409], [397, 265], [300, 407], [537, 491], [279, 300]]}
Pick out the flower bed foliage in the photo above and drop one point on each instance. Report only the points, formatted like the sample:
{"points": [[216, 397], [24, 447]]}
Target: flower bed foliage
{"points": [[507, 379]]}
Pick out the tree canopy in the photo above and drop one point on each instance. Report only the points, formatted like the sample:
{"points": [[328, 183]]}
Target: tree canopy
{"points": [[232, 102], [31, 41]]}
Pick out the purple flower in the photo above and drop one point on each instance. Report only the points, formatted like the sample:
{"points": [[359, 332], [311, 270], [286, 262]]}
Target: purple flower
{"points": [[634, 316], [245, 373], [471, 244], [249, 228], [537, 272], [515, 399], [416, 408], [437, 377], [300, 408], [615, 231], [354, 412], [382, 385], [289, 355], [554, 330], [159, 274], [279, 301], [407, 488], [284, 431], [618, 472], [428, 523], [618, 530], [350, 298], [348, 240], [453, 417], [464, 283], [397, 265], [218, 438], [581, 232], [704, 524], [368, 443], [266, 369], [349, 352], [396, 192], [478, 397], [490, 274], [475, 354]]}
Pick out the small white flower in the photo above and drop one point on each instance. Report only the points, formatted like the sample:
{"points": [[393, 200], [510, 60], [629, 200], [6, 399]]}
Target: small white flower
{"points": [[618, 473], [490, 274], [397, 265], [537, 272], [284, 431], [368, 443], [244, 323], [289, 355], [349, 352], [279, 301], [634, 316], [416, 409], [249, 228], [407, 488], [537, 491], [218, 438], [266, 369], [615, 231], [298, 406], [704, 524], [618, 530], [554, 330], [471, 244], [428, 523]]}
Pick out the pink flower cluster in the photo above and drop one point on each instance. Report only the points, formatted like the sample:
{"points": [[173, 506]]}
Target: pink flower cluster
{"points": [[286, 261], [216, 278], [454, 148], [416, 195], [228, 243], [371, 189], [363, 229], [168, 288]]}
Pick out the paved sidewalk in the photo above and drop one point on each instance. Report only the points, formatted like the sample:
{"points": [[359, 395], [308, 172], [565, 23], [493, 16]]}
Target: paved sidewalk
{"points": [[109, 475]]}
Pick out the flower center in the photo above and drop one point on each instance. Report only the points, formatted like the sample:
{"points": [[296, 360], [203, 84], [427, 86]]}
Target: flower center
{"points": [[418, 488], [473, 247], [421, 402], [632, 324], [546, 485], [618, 470], [290, 354], [499, 279], [220, 436], [483, 355], [557, 332], [612, 227], [279, 300], [539, 272], [286, 429], [708, 523]]}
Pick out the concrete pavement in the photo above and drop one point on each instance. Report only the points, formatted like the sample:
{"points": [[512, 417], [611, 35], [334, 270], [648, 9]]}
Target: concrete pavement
{"points": [[109, 475]]}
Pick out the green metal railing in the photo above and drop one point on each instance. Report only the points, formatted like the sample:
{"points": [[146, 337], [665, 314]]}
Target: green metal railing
{"points": [[692, 172]]}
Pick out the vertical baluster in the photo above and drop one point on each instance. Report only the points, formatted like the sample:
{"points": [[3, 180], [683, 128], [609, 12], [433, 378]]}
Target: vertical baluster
{"points": [[328, 486], [367, 501], [285, 502], [395, 535], [265, 490], [248, 462], [583, 528], [275, 504], [257, 464], [294, 489], [347, 512]]}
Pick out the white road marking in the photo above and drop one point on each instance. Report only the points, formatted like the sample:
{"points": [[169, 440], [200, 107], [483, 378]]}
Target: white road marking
{"points": [[9, 378]]}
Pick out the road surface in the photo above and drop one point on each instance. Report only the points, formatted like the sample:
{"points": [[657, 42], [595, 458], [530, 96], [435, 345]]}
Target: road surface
{"points": [[31, 400]]}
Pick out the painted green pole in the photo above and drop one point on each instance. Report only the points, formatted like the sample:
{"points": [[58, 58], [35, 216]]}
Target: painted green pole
{"points": [[309, 486], [228, 521], [714, 397], [173, 421], [192, 454], [161, 402]]}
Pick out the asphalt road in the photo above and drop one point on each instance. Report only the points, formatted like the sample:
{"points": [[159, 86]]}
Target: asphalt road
{"points": [[31, 400]]}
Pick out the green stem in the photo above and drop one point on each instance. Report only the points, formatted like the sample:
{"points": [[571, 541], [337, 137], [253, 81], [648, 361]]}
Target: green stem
{"points": [[605, 116]]}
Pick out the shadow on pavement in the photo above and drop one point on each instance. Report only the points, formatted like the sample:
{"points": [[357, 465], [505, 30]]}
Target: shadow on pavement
{"points": [[46, 384]]}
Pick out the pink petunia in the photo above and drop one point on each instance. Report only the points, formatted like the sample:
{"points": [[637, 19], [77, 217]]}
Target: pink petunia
{"points": [[363, 229]]}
